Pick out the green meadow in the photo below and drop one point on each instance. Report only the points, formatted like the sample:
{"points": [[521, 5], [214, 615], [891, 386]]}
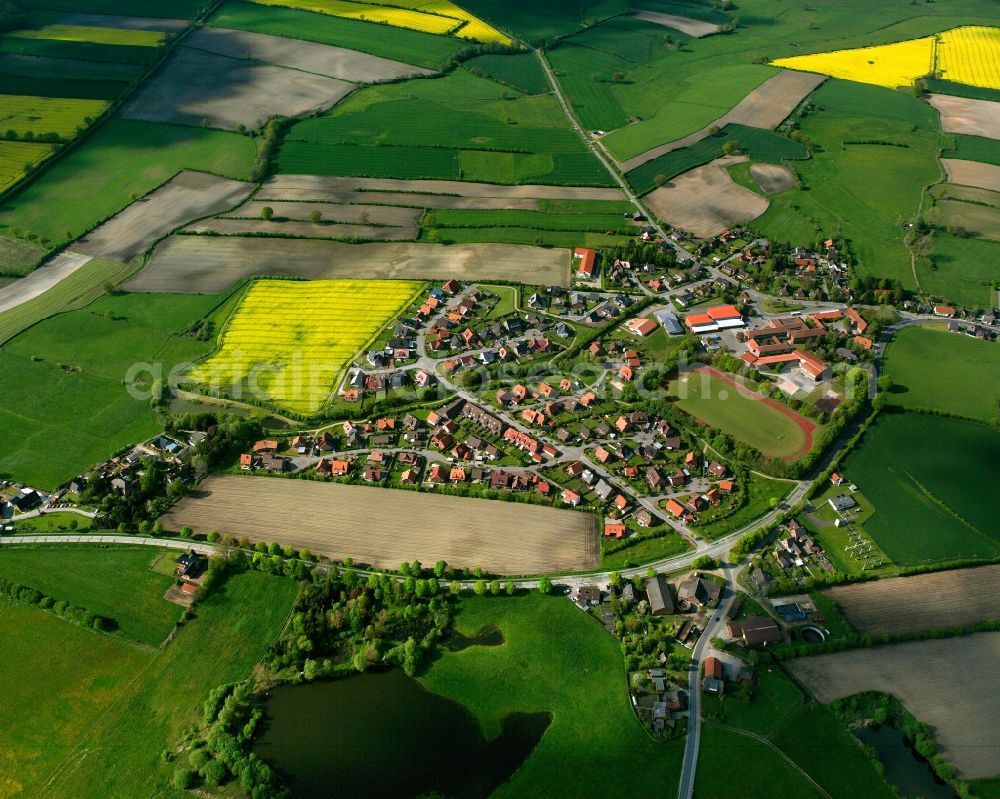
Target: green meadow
{"points": [[932, 485], [558, 660], [64, 406], [963, 377]]}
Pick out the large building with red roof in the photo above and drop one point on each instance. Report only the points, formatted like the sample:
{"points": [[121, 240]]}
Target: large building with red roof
{"points": [[718, 317]]}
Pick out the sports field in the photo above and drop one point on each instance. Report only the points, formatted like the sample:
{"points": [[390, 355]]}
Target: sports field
{"points": [[383, 527], [270, 350], [713, 398], [959, 363], [930, 480], [969, 54], [60, 385]]}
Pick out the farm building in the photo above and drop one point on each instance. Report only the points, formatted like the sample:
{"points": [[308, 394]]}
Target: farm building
{"points": [[661, 598], [670, 323], [755, 630], [842, 503], [713, 683], [699, 591], [586, 257], [640, 327], [718, 317]]}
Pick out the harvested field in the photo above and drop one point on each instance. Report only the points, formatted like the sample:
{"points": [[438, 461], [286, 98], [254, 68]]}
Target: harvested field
{"points": [[956, 598], [692, 27], [412, 200], [196, 87], [207, 264], [765, 107], [501, 537], [332, 212], [972, 173], [41, 280], [706, 201], [320, 59], [309, 230], [772, 178], [972, 117], [942, 682], [323, 187], [129, 23], [190, 195]]}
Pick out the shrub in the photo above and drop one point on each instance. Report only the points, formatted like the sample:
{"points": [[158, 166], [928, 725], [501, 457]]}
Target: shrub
{"points": [[185, 779]]}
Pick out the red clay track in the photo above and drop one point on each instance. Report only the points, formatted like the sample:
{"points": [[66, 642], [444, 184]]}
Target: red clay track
{"points": [[806, 425]]}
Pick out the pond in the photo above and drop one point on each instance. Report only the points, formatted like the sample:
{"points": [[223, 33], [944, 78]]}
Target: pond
{"points": [[911, 775], [383, 734]]}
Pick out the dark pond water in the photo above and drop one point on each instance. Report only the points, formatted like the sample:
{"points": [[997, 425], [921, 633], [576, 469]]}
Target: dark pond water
{"points": [[903, 768], [381, 734], [488, 636]]}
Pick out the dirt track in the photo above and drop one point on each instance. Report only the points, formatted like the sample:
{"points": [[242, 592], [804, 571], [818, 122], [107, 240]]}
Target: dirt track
{"points": [[972, 117], [196, 87], [187, 196], [961, 597], [209, 264], [950, 684], [383, 527], [765, 107], [972, 173], [706, 201], [41, 280]]}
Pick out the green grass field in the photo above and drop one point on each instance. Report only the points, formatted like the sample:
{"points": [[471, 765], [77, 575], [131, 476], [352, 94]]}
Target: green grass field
{"points": [[17, 158], [121, 159], [964, 270], [521, 72], [957, 363], [645, 551], [25, 114], [821, 746], [185, 9], [116, 583], [930, 480], [513, 235], [974, 148], [753, 422], [736, 766], [13, 83], [556, 659], [138, 56], [759, 145], [60, 678], [937, 86], [462, 218], [116, 753], [471, 128], [412, 47], [982, 221], [775, 696], [861, 192], [75, 291], [63, 406]]}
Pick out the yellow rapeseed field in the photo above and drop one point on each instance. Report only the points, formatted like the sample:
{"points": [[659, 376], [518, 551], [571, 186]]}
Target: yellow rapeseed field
{"points": [[94, 34], [969, 55], [17, 156], [889, 65], [289, 342], [40, 115], [397, 17], [474, 28]]}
